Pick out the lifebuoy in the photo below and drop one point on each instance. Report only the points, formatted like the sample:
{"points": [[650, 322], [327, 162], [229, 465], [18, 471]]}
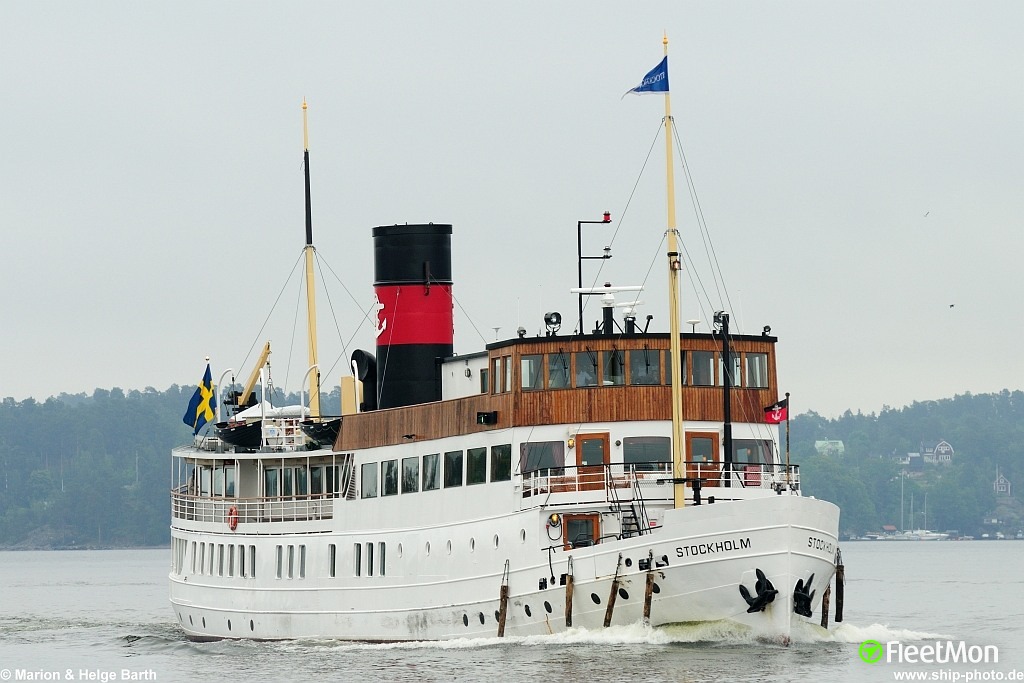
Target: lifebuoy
{"points": [[232, 517]]}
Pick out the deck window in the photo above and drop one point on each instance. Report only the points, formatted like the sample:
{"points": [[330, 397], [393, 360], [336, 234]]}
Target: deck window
{"points": [[647, 453], [380, 558], [252, 562], [501, 462], [476, 466], [558, 370], [542, 455], [644, 366], [287, 490], [703, 368], [229, 481], [357, 555], [332, 558], [389, 478], [430, 471], [291, 562], [613, 368], [530, 368], [368, 483], [205, 474], [484, 385], [280, 561], [316, 480], [452, 469], [410, 474], [302, 561], [369, 559], [241, 561], [757, 370], [301, 481], [751, 452], [586, 368]]}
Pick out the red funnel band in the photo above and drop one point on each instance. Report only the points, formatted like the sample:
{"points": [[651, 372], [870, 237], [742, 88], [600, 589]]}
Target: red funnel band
{"points": [[407, 314]]}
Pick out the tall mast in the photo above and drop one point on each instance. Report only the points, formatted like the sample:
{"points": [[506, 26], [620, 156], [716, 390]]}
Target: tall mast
{"points": [[310, 253], [675, 264]]}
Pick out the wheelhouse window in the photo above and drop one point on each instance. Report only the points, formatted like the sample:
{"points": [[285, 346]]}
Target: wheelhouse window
{"points": [[703, 368], [389, 478], [757, 370], [506, 367], [668, 367], [647, 453], [613, 368], [368, 480], [644, 366], [430, 471], [484, 385], [558, 370], [452, 469], [476, 466], [735, 380], [501, 462], [542, 455], [530, 369], [410, 475], [586, 368]]}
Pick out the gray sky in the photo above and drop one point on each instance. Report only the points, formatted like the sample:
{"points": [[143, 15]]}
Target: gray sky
{"points": [[858, 165]]}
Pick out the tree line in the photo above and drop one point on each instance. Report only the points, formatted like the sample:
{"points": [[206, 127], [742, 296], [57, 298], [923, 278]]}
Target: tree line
{"points": [[94, 470]]}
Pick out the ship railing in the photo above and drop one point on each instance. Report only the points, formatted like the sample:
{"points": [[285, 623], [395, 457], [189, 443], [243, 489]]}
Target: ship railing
{"points": [[616, 483], [196, 508]]}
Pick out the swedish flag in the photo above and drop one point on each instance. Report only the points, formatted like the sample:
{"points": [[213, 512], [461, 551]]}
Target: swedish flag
{"points": [[201, 407]]}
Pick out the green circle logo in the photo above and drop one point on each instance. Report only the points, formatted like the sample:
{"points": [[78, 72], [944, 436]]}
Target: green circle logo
{"points": [[871, 651]]}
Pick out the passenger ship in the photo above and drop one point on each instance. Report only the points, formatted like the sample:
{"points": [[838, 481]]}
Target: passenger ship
{"points": [[545, 483]]}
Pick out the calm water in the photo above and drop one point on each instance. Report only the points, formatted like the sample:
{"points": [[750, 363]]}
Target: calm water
{"points": [[107, 611]]}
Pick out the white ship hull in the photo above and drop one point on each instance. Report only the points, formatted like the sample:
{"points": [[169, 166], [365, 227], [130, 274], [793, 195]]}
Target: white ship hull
{"points": [[702, 554]]}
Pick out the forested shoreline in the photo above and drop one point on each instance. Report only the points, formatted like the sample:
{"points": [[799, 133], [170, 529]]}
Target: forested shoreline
{"points": [[81, 471]]}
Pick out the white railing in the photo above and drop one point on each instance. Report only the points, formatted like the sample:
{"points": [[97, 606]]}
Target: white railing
{"points": [[272, 509], [652, 481]]}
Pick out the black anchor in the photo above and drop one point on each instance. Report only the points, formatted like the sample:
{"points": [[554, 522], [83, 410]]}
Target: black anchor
{"points": [[803, 596], [764, 593]]}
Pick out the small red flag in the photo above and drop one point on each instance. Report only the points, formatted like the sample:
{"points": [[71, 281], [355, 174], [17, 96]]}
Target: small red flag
{"points": [[777, 412]]}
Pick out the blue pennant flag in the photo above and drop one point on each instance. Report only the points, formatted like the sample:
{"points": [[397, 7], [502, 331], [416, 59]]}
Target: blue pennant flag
{"points": [[655, 81], [203, 404]]}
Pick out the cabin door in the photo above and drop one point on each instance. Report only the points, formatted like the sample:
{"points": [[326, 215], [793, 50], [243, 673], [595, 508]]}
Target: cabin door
{"points": [[702, 459], [591, 459], [580, 531]]}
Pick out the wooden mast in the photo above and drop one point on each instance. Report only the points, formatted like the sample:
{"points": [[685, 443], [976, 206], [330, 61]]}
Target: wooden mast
{"points": [[675, 264], [310, 254]]}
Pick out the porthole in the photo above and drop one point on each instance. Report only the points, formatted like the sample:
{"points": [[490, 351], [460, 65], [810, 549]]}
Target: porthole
{"points": [[596, 598], [497, 615], [629, 562], [204, 622], [472, 544], [495, 540], [465, 619], [190, 622], [656, 588], [449, 547], [252, 626], [623, 594], [427, 548], [229, 624], [522, 535], [547, 607], [528, 613], [399, 549], [481, 617]]}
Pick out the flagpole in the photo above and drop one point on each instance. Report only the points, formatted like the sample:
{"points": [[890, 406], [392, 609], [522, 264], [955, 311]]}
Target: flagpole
{"points": [[674, 266], [787, 438]]}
